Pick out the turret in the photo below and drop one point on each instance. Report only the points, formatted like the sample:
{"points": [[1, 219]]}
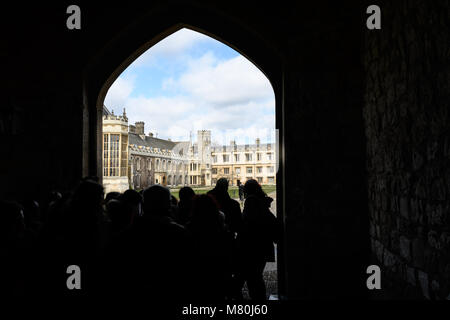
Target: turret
{"points": [[139, 127]]}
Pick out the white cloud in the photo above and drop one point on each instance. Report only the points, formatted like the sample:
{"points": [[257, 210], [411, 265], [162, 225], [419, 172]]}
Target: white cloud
{"points": [[232, 81], [176, 117], [232, 98], [172, 46], [119, 93]]}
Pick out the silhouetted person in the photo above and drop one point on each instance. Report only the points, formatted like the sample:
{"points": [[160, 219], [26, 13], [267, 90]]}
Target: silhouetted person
{"points": [[240, 190], [211, 251], [85, 216], [112, 195], [76, 235], [120, 215], [256, 241], [233, 217], [173, 211], [186, 195], [149, 258], [173, 200], [134, 200], [230, 207]]}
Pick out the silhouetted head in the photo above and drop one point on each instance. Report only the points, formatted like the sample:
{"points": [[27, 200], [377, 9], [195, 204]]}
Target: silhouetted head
{"points": [[253, 188], [205, 214], [156, 200], [112, 195], [133, 199], [88, 194], [222, 185], [86, 207], [186, 194], [119, 214]]}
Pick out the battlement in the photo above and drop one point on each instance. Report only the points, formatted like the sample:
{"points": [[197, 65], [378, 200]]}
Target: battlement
{"points": [[112, 117]]}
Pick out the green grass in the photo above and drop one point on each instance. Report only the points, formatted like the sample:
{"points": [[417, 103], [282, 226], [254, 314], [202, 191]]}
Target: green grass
{"points": [[232, 191], [268, 188]]}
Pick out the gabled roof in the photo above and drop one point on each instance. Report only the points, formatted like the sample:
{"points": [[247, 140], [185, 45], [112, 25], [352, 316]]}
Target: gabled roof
{"points": [[106, 112], [153, 142], [150, 142]]}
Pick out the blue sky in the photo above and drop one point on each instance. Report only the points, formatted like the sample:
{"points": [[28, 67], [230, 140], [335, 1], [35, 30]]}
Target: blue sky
{"points": [[189, 82]]}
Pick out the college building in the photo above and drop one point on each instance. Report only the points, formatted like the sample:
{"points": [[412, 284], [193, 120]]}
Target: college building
{"points": [[133, 159]]}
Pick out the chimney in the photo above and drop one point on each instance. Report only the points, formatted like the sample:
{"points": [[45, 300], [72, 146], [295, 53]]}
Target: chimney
{"points": [[139, 127], [132, 129]]}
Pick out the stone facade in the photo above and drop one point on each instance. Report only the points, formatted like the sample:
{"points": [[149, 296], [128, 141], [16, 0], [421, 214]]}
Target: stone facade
{"points": [[115, 153], [136, 160], [408, 147], [243, 162], [152, 165]]}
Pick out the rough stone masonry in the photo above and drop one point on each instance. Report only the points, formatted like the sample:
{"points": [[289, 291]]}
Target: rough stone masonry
{"points": [[408, 147]]}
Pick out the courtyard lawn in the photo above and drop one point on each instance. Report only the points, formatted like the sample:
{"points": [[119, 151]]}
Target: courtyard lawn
{"points": [[232, 191], [269, 188]]}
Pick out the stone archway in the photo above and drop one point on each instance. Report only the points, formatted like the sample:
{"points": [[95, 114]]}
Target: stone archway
{"points": [[326, 68], [306, 85]]}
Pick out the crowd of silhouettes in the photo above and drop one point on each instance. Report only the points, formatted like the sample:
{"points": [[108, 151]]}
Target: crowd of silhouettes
{"points": [[145, 244]]}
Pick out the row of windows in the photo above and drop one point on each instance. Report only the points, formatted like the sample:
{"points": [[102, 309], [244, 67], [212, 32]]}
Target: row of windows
{"points": [[167, 165], [175, 180], [237, 170], [235, 147], [260, 180], [114, 160], [248, 157], [160, 165]]}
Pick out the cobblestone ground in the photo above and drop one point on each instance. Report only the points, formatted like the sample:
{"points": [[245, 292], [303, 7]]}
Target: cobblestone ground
{"points": [[270, 271]]}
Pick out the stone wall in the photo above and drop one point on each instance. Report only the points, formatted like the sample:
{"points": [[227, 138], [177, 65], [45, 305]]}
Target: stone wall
{"points": [[408, 146]]}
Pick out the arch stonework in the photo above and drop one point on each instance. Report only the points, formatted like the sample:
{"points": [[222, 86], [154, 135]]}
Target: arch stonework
{"points": [[311, 57], [155, 25]]}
